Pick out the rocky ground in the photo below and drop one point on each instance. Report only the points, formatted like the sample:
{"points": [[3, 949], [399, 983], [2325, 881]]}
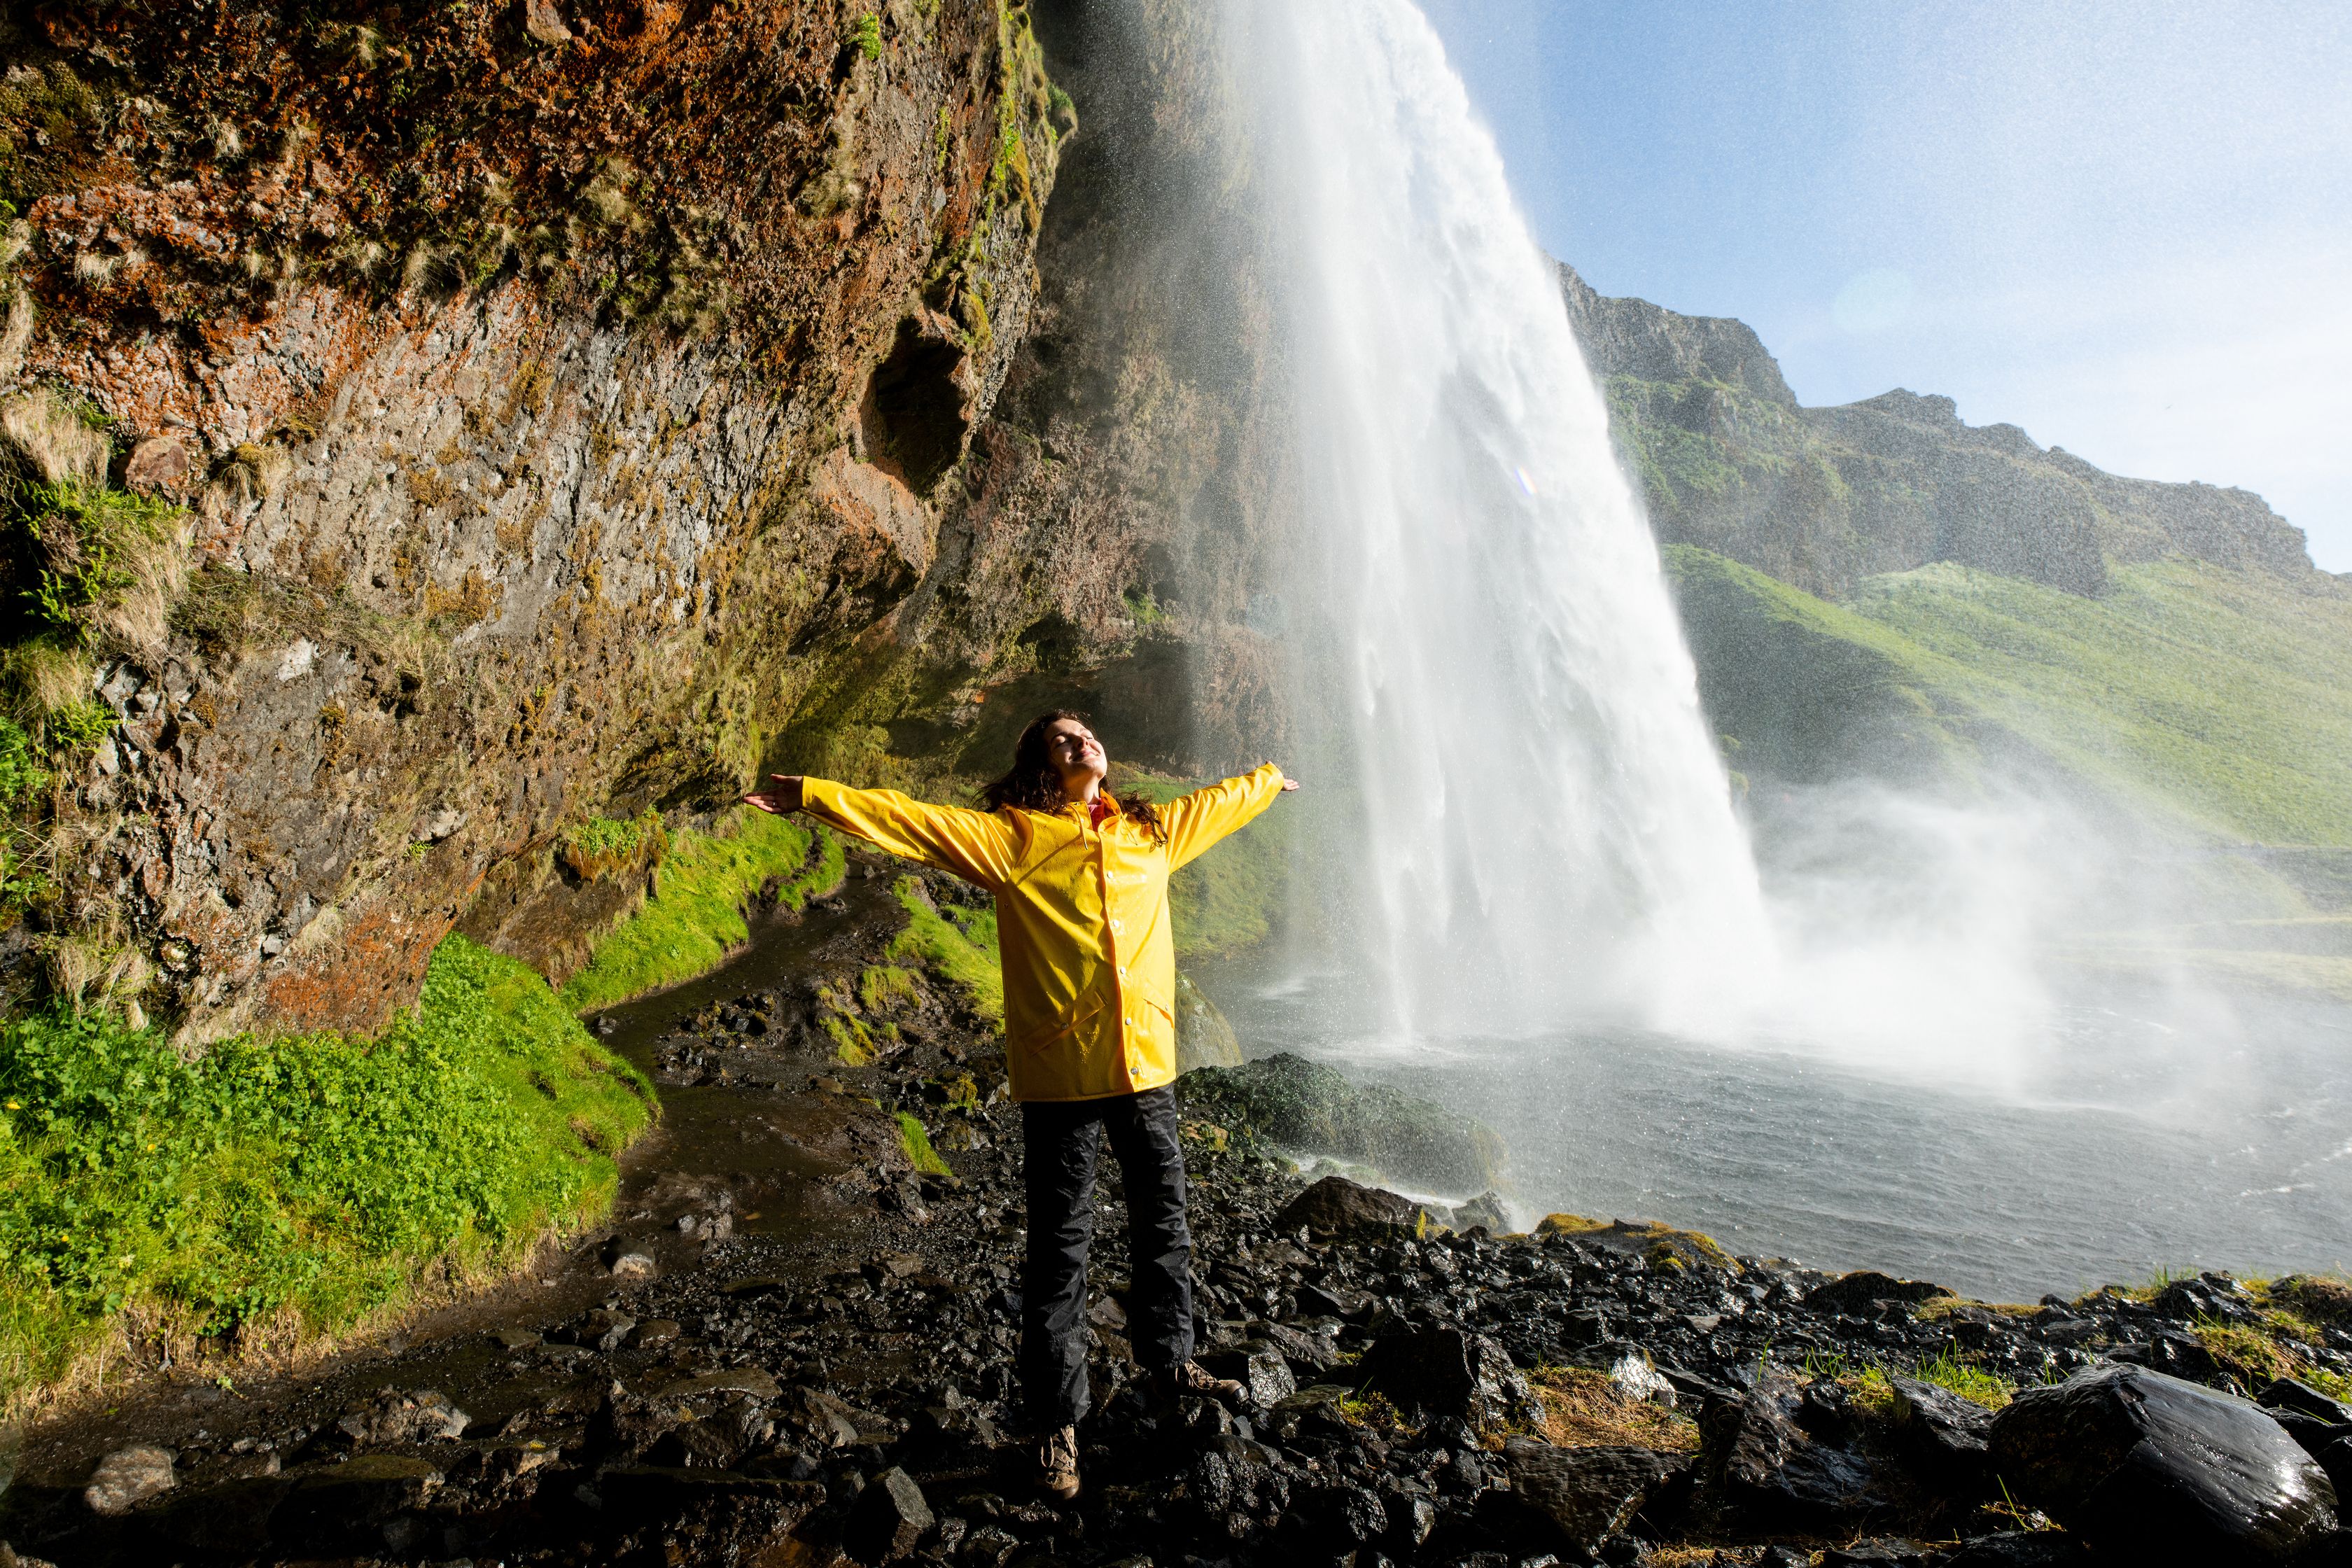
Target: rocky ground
{"points": [[793, 1345]]}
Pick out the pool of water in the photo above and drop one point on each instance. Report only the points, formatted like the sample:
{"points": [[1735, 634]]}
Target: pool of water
{"points": [[2131, 1139]]}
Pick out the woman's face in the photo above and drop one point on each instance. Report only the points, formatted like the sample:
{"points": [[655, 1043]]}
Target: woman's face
{"points": [[1078, 756]]}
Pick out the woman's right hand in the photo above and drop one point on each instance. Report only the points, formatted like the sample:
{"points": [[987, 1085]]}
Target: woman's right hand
{"points": [[781, 796]]}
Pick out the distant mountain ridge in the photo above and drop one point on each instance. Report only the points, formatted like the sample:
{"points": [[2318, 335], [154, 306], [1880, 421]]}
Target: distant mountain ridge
{"points": [[1821, 497]]}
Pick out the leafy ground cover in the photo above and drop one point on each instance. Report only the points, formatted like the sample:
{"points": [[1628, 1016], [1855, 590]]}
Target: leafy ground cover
{"points": [[295, 1185], [694, 917]]}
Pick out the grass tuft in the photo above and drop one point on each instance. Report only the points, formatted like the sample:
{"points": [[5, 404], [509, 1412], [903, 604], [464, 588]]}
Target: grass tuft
{"points": [[1581, 1410], [695, 916], [299, 1183], [920, 1152]]}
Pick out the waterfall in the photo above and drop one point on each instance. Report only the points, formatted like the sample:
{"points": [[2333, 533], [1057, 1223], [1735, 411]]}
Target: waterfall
{"points": [[1540, 823]]}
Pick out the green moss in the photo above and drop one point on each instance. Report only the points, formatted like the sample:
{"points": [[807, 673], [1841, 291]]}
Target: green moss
{"points": [[917, 1143], [314, 1174], [865, 36], [853, 1039], [694, 917], [883, 985], [960, 946]]}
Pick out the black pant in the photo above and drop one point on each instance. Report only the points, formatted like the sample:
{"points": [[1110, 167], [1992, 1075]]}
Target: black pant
{"points": [[1061, 1142]]}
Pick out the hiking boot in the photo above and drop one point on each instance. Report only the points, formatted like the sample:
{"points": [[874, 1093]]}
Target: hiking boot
{"points": [[1191, 1377], [1058, 1462]]}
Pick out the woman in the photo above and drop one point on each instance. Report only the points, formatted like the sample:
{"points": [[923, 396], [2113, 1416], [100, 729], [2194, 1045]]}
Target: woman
{"points": [[1081, 886]]}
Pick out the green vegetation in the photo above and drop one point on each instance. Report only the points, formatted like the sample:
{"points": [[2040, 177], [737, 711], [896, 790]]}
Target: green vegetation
{"points": [[883, 986], [297, 1183], [917, 1143], [960, 946], [695, 915], [2216, 703], [605, 846], [1946, 1370], [865, 36]]}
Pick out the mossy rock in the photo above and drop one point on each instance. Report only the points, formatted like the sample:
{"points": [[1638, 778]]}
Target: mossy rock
{"points": [[1660, 1246], [1204, 1038], [1302, 1105]]}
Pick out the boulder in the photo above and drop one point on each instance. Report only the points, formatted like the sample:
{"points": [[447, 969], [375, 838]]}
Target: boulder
{"points": [[1943, 1433], [2145, 1466], [1449, 1373], [887, 1519], [1338, 1206], [1487, 1209], [1583, 1496], [1204, 1038], [129, 1476], [1779, 1472], [1856, 1292]]}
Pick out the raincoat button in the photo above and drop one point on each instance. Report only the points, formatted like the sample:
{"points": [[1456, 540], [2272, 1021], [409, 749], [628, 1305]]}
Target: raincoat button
{"points": [[1114, 925]]}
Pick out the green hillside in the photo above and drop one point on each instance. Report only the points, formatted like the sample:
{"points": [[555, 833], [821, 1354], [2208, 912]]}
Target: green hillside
{"points": [[2215, 702], [2211, 710]]}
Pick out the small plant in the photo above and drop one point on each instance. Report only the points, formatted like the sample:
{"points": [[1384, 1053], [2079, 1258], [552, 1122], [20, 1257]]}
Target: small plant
{"points": [[605, 846], [866, 35], [918, 1144], [79, 728], [1948, 1371]]}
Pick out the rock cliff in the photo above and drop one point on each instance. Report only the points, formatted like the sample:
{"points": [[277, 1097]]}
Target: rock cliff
{"points": [[1821, 497], [432, 431]]}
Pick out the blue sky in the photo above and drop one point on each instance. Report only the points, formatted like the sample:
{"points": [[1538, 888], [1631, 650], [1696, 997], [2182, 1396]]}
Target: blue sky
{"points": [[2126, 227]]}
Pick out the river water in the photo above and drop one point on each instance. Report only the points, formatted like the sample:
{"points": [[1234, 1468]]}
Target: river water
{"points": [[2143, 1143]]}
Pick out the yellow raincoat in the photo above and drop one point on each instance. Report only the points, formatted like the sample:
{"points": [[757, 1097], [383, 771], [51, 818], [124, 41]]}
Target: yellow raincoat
{"points": [[1081, 919]]}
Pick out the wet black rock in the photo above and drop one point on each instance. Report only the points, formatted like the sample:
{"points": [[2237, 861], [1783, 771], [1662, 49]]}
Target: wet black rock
{"points": [[1336, 1206], [1445, 1372], [1943, 1433], [888, 1518], [1781, 1474], [1582, 1497], [2286, 1394], [1859, 1291], [2141, 1464]]}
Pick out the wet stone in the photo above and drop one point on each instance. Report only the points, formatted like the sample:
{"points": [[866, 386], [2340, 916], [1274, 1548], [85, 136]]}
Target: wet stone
{"points": [[890, 1517], [2139, 1464], [1584, 1498], [129, 1476]]}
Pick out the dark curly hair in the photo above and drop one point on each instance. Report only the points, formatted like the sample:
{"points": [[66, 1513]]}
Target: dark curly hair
{"points": [[1035, 784]]}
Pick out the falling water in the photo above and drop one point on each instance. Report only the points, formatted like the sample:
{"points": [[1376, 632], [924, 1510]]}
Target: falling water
{"points": [[1546, 825]]}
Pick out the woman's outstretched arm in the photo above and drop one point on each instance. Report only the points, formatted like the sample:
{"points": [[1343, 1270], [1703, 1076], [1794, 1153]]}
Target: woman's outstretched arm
{"points": [[977, 846], [1196, 821]]}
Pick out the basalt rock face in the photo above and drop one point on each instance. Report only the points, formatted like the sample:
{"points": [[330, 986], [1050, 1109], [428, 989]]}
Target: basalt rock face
{"points": [[1108, 538], [574, 406], [1820, 497]]}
